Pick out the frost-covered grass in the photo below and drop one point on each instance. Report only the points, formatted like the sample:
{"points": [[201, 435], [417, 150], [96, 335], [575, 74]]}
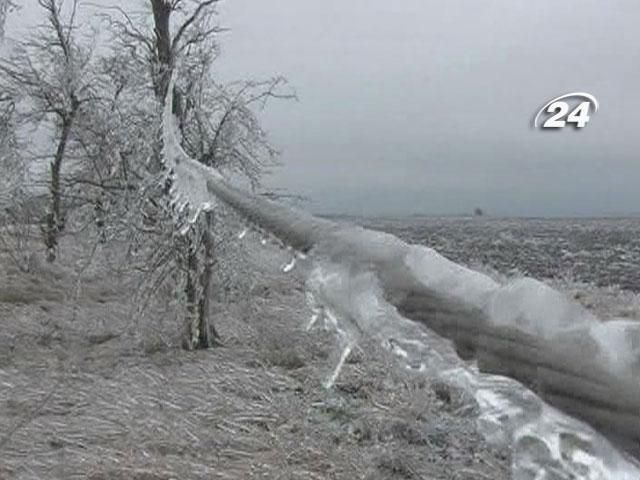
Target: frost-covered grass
{"points": [[87, 391]]}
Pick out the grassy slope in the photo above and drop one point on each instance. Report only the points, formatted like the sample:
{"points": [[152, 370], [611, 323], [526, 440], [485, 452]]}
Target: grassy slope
{"points": [[83, 395]]}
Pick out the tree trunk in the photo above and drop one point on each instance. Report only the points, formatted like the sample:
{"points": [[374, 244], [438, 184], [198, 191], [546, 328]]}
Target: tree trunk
{"points": [[191, 294], [208, 333], [200, 333], [55, 218], [161, 19]]}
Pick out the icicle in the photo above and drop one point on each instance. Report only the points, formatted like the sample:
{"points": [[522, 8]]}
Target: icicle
{"points": [[289, 266], [336, 372], [317, 311], [194, 216], [397, 349], [317, 315]]}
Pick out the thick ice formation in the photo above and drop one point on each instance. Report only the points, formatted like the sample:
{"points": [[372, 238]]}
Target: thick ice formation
{"points": [[188, 177], [522, 333], [547, 443]]}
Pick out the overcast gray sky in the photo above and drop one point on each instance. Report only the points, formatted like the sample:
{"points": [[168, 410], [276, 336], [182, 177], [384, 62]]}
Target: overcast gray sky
{"points": [[425, 106]]}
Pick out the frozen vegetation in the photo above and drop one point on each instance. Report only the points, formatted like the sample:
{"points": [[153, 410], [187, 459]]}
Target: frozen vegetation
{"points": [[160, 322], [90, 389]]}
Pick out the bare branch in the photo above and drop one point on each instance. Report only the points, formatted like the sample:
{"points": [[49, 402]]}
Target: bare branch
{"points": [[190, 21]]}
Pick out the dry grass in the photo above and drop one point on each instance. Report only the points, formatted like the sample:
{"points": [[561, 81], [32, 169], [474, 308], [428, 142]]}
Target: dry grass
{"points": [[83, 395]]}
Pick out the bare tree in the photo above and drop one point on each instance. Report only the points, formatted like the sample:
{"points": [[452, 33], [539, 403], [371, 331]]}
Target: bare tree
{"points": [[200, 331], [219, 127], [104, 116], [48, 77]]}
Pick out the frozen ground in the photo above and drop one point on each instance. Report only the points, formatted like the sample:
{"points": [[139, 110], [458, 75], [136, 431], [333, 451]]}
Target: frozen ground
{"points": [[87, 392]]}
